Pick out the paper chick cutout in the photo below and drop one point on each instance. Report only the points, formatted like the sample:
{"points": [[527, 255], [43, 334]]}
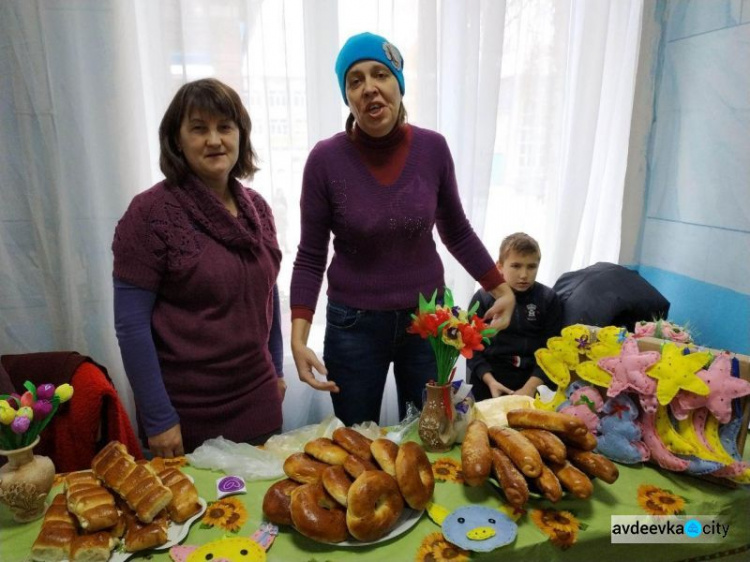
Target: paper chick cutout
{"points": [[723, 388], [675, 371], [476, 528], [230, 549]]}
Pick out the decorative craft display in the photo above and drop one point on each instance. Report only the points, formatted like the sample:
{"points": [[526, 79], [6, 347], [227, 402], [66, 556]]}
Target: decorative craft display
{"points": [[677, 407], [229, 549], [473, 527], [23, 417]]}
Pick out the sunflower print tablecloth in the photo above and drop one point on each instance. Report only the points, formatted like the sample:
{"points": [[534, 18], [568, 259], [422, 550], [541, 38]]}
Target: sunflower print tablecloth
{"points": [[572, 529]]}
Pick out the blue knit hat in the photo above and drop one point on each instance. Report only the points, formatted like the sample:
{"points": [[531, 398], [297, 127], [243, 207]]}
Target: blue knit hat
{"points": [[367, 46]]}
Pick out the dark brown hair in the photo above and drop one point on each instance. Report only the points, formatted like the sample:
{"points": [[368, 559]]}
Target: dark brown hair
{"points": [[400, 120], [215, 98], [521, 243]]}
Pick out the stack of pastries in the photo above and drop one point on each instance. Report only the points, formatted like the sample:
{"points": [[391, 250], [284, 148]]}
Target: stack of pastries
{"points": [[118, 501], [350, 487], [547, 451]]}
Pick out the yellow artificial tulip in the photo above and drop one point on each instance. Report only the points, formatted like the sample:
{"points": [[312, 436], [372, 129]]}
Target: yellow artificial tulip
{"points": [[7, 415], [25, 412], [64, 392]]}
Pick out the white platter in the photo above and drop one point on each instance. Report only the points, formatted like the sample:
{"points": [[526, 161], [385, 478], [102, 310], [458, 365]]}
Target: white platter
{"points": [[175, 534], [409, 518]]}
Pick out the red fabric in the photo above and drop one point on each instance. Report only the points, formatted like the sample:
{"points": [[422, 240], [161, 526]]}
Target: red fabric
{"points": [[72, 438], [73, 435]]}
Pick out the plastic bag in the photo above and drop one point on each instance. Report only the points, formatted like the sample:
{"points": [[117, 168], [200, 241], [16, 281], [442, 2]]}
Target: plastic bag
{"points": [[400, 431], [463, 400], [239, 459], [255, 463]]}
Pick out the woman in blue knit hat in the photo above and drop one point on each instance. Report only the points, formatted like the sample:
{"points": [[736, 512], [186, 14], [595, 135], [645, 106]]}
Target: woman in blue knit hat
{"points": [[380, 188]]}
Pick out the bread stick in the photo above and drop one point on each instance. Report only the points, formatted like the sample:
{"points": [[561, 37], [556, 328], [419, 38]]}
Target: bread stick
{"points": [[511, 480], [520, 450], [594, 464], [548, 444], [476, 458], [573, 479], [548, 484], [544, 419]]}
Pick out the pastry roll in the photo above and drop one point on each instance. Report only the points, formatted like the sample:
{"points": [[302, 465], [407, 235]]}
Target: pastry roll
{"points": [[56, 535], [95, 547], [136, 483], [184, 502], [90, 502]]}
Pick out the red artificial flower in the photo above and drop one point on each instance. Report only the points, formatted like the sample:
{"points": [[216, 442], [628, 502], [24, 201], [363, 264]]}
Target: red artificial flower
{"points": [[425, 325], [472, 340]]}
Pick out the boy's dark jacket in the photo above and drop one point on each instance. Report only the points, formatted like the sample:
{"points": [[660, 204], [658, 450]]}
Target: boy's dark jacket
{"points": [[536, 318]]}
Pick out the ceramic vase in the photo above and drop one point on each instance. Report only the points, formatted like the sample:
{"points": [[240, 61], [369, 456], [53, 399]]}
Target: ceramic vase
{"points": [[25, 482], [437, 429]]}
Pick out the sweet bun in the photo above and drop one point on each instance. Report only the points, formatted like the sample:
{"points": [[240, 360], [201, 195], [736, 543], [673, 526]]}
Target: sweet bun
{"points": [[337, 483], [353, 441], [317, 515], [184, 502], [304, 469], [414, 475], [325, 450], [385, 451], [276, 502], [356, 465], [374, 505]]}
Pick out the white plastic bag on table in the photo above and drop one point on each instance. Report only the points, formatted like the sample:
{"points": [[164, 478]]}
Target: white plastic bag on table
{"points": [[258, 463], [399, 432]]}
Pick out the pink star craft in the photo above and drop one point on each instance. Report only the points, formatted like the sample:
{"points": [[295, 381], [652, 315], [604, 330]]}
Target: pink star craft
{"points": [[723, 389], [628, 370]]}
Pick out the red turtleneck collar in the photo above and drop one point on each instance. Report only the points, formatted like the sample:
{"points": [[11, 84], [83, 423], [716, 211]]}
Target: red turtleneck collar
{"points": [[384, 157]]}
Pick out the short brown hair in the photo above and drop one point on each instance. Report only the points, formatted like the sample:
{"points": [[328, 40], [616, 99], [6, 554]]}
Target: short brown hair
{"points": [[521, 243], [216, 98]]}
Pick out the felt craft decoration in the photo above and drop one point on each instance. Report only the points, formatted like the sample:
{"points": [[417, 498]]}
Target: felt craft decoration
{"points": [[723, 387], [591, 372], [672, 440], [675, 371], [229, 549], [692, 430], [563, 353], [608, 343], [583, 402], [629, 369], [659, 451], [553, 403], [619, 434], [478, 528]]}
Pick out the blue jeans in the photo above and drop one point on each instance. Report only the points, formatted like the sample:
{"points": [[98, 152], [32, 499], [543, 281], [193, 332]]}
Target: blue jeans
{"points": [[359, 347]]}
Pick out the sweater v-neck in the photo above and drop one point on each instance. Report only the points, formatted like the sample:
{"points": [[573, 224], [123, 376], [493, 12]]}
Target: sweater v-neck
{"points": [[363, 143]]}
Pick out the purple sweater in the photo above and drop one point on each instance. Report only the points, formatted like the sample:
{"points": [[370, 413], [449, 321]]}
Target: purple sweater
{"points": [[384, 252], [213, 275]]}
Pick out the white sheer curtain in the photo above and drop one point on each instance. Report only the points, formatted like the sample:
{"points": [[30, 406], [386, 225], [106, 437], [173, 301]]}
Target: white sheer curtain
{"points": [[534, 97]]}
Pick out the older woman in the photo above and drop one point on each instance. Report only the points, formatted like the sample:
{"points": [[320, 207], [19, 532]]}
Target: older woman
{"points": [[195, 266], [379, 187]]}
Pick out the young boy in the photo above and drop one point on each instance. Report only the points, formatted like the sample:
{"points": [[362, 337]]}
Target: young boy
{"points": [[507, 364]]}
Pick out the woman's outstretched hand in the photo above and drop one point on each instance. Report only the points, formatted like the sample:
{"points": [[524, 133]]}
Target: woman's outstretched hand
{"points": [[500, 313], [307, 363]]}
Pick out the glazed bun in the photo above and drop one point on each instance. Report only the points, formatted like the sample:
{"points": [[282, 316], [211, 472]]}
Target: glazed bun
{"points": [[374, 505], [316, 515], [414, 475], [353, 441], [325, 450], [385, 451], [303, 468], [337, 483], [277, 501]]}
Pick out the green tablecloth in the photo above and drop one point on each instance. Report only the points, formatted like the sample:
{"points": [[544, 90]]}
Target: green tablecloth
{"points": [[593, 543]]}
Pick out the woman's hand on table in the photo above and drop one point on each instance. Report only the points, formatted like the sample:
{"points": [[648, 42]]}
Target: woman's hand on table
{"points": [[496, 389], [167, 444], [500, 313]]}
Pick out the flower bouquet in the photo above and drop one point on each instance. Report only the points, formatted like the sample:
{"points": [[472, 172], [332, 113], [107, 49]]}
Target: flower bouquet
{"points": [[451, 332], [22, 418]]}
